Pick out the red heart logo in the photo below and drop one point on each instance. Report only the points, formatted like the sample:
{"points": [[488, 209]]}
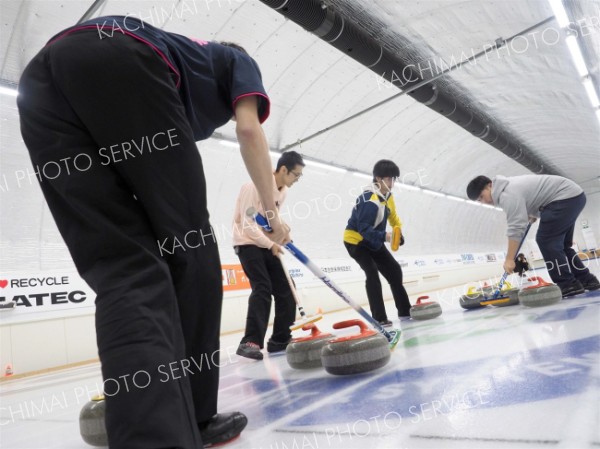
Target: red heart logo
{"points": [[3, 283]]}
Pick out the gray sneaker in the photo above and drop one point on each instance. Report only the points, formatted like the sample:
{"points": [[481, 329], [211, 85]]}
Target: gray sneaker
{"points": [[249, 350]]}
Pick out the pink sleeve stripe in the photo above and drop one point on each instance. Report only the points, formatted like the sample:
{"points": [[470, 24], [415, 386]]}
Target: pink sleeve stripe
{"points": [[129, 34], [198, 41], [267, 110]]}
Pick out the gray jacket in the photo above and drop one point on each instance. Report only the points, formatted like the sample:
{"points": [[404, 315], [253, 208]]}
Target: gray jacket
{"points": [[521, 197]]}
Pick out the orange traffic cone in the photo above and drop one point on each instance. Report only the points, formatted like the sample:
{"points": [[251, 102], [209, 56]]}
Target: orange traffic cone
{"points": [[9, 370]]}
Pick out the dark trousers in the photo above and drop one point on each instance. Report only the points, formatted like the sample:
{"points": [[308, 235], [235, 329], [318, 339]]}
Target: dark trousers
{"points": [[555, 238], [373, 263], [151, 260], [266, 275]]}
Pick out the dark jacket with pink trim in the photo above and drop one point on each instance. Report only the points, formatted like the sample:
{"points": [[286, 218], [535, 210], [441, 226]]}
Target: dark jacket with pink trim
{"points": [[210, 77]]}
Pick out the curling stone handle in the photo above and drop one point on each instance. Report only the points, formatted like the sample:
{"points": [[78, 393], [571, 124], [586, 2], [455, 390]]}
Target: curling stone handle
{"points": [[540, 282], [314, 330], [420, 298], [349, 323]]}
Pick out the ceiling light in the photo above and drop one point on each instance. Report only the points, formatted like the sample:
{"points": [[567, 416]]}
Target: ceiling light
{"points": [[8, 91], [326, 166], [591, 91], [362, 175], [401, 185], [559, 13], [577, 56], [228, 143], [433, 193]]}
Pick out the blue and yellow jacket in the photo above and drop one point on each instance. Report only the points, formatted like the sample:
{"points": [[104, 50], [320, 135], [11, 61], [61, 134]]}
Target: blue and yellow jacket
{"points": [[367, 223]]}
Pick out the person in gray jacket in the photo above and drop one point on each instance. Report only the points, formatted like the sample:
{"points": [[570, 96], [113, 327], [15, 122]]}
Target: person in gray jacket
{"points": [[557, 202]]}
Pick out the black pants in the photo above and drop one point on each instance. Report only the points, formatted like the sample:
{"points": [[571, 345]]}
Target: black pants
{"points": [[373, 263], [555, 238], [151, 260], [266, 275]]}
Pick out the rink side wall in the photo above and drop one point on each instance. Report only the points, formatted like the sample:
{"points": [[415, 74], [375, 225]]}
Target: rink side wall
{"points": [[53, 324]]}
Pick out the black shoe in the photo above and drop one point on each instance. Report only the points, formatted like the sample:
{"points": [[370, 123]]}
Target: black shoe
{"points": [[222, 428], [275, 346], [249, 350], [590, 282], [574, 288], [386, 323]]}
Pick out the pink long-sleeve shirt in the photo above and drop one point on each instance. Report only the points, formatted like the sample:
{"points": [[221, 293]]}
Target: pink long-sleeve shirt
{"points": [[245, 230]]}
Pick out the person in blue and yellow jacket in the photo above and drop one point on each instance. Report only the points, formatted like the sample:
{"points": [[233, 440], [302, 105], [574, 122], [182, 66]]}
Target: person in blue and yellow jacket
{"points": [[365, 236]]}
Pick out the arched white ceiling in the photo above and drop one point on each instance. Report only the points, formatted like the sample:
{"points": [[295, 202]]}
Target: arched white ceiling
{"points": [[535, 95]]}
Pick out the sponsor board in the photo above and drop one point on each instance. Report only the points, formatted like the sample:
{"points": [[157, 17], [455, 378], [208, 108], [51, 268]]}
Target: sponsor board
{"points": [[45, 291]]}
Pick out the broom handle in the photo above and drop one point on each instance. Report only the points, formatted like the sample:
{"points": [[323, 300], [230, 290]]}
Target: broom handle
{"points": [[292, 288], [505, 275], [262, 221]]}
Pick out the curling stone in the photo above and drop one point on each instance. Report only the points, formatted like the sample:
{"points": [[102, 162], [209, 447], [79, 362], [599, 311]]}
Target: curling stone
{"points": [[508, 296], [355, 354], [425, 310], [542, 294], [91, 422], [305, 352], [472, 300]]}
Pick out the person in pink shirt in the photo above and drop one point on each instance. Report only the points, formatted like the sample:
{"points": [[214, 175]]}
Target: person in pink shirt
{"points": [[259, 256]]}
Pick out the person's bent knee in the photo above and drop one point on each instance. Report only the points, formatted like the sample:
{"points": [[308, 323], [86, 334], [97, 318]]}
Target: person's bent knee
{"points": [[261, 291]]}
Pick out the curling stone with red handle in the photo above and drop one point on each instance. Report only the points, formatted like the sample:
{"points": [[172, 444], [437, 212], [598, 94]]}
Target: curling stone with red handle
{"points": [[542, 294], [425, 310], [305, 352], [355, 354]]}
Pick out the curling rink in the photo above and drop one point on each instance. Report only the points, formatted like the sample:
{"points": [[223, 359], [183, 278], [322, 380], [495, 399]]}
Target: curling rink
{"points": [[484, 378]]}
